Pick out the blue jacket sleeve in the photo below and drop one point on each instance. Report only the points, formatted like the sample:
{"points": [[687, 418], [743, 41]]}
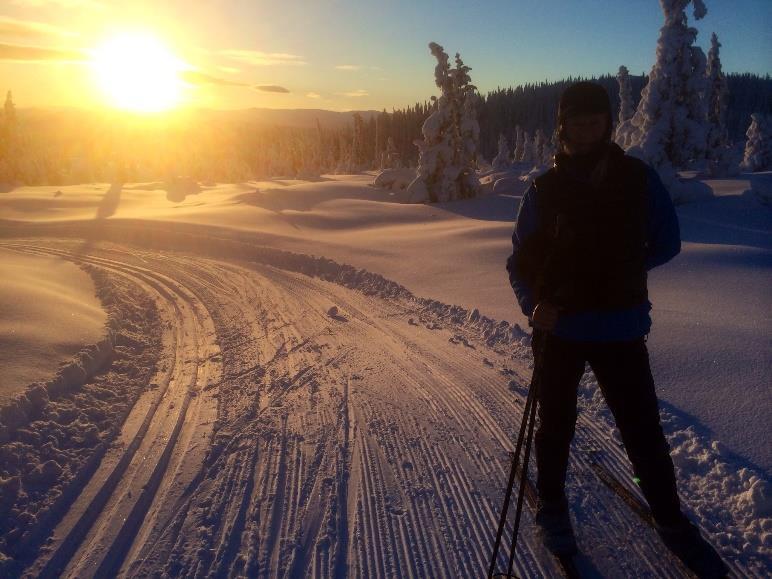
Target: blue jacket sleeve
{"points": [[664, 234], [526, 224]]}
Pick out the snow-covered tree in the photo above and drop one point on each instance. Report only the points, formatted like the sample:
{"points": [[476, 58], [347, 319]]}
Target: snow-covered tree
{"points": [[501, 160], [539, 142], [468, 184], [357, 150], [758, 147], [669, 127], [436, 149], [447, 153], [718, 152], [391, 155], [528, 150], [10, 157], [9, 110], [625, 100], [344, 163], [518, 144], [377, 154], [549, 150]]}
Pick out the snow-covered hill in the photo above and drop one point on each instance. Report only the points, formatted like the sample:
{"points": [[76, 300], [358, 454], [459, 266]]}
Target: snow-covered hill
{"points": [[258, 432]]}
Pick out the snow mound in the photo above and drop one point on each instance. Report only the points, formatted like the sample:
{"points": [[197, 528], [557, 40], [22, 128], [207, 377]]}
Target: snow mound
{"points": [[180, 187], [506, 182], [509, 186], [732, 504], [761, 187], [54, 434], [24, 407], [394, 178], [49, 312], [689, 191]]}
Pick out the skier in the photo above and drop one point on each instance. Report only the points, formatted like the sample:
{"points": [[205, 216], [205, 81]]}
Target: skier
{"points": [[587, 232]]}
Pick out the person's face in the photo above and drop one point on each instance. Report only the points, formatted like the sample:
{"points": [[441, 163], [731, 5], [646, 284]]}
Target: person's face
{"points": [[585, 129]]}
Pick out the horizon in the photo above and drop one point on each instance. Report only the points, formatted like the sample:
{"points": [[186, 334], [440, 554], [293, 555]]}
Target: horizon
{"points": [[19, 107], [337, 55]]}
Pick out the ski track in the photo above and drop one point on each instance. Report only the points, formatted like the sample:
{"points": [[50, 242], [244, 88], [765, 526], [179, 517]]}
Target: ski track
{"points": [[280, 441]]}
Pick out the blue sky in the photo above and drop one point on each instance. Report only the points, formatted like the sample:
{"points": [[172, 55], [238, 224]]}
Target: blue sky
{"points": [[344, 54]]}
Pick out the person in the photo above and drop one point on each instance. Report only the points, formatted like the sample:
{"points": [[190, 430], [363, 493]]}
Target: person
{"points": [[587, 232]]}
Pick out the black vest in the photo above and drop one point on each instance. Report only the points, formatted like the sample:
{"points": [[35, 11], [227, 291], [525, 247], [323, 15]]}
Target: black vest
{"points": [[590, 250]]}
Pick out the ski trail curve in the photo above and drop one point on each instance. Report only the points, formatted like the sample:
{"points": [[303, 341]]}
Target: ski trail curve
{"points": [[158, 446], [284, 441]]}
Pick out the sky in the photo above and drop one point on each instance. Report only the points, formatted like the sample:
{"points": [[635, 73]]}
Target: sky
{"points": [[336, 54]]}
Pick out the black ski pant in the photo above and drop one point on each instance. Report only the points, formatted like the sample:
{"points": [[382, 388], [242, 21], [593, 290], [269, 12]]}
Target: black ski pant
{"points": [[624, 376]]}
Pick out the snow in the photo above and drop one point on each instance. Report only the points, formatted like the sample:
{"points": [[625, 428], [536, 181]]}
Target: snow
{"points": [[761, 188], [420, 393], [394, 178], [712, 329], [49, 312]]}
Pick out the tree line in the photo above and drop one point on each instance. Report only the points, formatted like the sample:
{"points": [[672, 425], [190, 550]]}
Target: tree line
{"points": [[76, 147]]}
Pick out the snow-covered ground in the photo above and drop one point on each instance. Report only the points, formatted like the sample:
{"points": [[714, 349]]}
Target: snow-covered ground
{"points": [[49, 312], [288, 440]]}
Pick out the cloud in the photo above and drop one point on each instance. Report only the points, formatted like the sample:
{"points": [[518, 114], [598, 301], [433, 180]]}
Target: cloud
{"points": [[354, 93], [348, 66], [258, 58], [271, 88], [17, 52], [196, 77], [313, 95], [201, 78], [30, 29], [229, 69]]}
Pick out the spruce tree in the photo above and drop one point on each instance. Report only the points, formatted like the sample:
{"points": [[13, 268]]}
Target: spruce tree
{"points": [[758, 147], [501, 160], [9, 143], [467, 182], [717, 153], [670, 124], [539, 145], [518, 144], [448, 151], [435, 151], [625, 103]]}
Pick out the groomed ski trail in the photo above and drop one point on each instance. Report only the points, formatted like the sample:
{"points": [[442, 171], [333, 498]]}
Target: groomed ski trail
{"points": [[289, 442]]}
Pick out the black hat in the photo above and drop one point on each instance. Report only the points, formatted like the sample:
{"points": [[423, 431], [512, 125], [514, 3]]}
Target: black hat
{"points": [[583, 98]]}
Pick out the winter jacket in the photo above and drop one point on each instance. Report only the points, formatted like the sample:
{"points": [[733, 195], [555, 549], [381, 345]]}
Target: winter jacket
{"points": [[593, 325]]}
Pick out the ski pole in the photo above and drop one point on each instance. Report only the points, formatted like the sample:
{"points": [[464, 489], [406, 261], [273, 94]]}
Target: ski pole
{"points": [[523, 477], [527, 423], [510, 483]]}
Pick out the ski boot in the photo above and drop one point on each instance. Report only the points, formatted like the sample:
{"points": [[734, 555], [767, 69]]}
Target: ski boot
{"points": [[683, 539], [553, 527]]}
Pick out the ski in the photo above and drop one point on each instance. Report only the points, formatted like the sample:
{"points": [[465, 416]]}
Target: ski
{"points": [[624, 493], [568, 566], [635, 503], [566, 563]]}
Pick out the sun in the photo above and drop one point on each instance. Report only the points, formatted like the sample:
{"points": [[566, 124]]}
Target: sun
{"points": [[137, 72]]}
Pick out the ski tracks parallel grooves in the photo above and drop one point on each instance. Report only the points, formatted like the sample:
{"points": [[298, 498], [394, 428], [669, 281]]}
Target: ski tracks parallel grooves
{"points": [[106, 482], [354, 445]]}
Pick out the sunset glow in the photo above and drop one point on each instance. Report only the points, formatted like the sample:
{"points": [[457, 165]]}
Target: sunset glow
{"points": [[137, 72]]}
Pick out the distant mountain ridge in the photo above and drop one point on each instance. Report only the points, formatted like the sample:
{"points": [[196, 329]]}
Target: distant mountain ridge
{"points": [[293, 118]]}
